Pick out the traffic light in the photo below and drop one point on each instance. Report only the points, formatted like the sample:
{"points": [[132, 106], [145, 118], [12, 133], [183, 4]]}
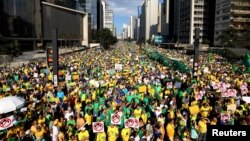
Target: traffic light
{"points": [[49, 56]]}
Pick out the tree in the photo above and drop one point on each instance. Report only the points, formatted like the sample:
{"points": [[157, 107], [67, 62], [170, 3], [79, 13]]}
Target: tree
{"points": [[7, 47], [228, 36], [106, 38]]}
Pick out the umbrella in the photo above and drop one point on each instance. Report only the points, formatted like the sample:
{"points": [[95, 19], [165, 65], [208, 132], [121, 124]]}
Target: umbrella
{"points": [[11, 103]]}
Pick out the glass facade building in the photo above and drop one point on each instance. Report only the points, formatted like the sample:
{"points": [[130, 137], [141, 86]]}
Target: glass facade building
{"points": [[31, 21], [69, 24], [20, 18]]}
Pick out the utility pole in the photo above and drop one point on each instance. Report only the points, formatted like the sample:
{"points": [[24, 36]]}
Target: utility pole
{"points": [[101, 20], [55, 57], [146, 6]]}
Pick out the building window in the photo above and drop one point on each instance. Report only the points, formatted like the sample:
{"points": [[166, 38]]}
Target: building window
{"points": [[225, 18]]}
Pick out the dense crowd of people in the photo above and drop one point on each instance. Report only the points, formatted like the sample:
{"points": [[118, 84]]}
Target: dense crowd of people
{"points": [[168, 104]]}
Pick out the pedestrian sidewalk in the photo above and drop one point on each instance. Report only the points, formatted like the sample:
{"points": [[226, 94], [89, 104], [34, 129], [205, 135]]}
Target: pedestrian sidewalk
{"points": [[37, 55]]}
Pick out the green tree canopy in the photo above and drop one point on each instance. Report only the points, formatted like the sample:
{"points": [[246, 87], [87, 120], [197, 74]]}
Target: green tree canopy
{"points": [[106, 38], [228, 36]]}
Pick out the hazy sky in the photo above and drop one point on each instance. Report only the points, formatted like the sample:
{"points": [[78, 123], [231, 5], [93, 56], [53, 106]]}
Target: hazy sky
{"points": [[123, 9]]}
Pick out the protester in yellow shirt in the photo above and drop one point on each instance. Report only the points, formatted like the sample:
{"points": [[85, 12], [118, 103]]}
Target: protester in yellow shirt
{"points": [[101, 136], [33, 127], [202, 126], [137, 112], [112, 133], [144, 117], [126, 132], [83, 135], [170, 130], [88, 118], [39, 133], [214, 121]]}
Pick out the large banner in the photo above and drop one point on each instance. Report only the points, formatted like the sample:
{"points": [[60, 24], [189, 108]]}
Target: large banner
{"points": [[224, 117], [6, 122]]}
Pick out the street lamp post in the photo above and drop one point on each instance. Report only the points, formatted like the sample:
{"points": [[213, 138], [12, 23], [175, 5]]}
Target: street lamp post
{"points": [[179, 20]]}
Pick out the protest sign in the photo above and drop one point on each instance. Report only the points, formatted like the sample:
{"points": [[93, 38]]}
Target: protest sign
{"points": [[118, 67], [98, 127], [68, 77], [229, 93], [35, 75], [199, 95], [23, 109], [169, 85], [244, 89], [142, 89], [116, 119], [136, 123], [224, 117], [177, 85], [246, 99], [6, 122], [132, 123]]}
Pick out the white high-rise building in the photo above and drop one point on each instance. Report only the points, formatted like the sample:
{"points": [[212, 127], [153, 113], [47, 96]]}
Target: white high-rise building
{"points": [[149, 19], [109, 19], [133, 26]]}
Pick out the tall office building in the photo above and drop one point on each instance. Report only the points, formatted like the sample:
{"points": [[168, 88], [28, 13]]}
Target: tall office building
{"points": [[149, 19], [137, 30], [100, 14], [133, 24], [195, 14], [168, 20], [32, 21], [232, 13], [109, 19]]}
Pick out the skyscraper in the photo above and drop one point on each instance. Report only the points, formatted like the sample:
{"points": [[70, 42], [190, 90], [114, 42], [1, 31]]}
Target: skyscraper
{"points": [[149, 19], [235, 14], [32, 21], [195, 14]]}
